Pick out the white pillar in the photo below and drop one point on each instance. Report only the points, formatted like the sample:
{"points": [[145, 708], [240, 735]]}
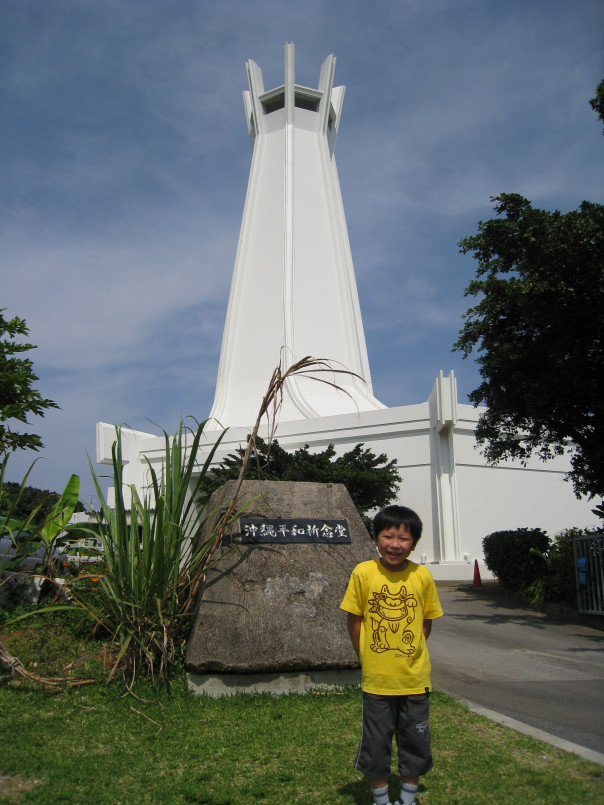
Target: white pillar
{"points": [[445, 510], [293, 292]]}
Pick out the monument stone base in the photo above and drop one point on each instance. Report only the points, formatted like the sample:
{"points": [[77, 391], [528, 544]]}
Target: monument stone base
{"points": [[217, 685], [269, 615]]}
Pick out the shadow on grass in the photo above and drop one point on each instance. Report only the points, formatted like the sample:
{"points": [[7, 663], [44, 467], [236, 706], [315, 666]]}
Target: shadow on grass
{"points": [[196, 792], [357, 792]]}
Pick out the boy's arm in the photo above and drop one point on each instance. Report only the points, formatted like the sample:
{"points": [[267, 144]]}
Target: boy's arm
{"points": [[427, 627], [354, 630]]}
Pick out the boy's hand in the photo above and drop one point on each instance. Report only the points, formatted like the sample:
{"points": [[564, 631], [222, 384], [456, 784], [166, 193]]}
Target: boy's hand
{"points": [[354, 630], [427, 627]]}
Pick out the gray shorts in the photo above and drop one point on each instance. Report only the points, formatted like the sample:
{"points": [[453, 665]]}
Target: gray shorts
{"points": [[406, 717]]}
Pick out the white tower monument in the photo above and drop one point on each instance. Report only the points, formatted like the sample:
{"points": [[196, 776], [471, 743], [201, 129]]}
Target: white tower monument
{"points": [[293, 292]]}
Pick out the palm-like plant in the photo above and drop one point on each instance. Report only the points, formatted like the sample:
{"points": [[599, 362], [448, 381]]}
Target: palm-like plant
{"points": [[153, 555]]}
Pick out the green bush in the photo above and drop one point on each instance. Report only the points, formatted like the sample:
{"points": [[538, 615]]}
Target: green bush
{"points": [[561, 585], [517, 558], [372, 481], [526, 559]]}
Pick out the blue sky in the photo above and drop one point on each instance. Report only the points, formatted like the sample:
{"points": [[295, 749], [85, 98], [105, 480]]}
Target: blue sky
{"points": [[125, 159]]}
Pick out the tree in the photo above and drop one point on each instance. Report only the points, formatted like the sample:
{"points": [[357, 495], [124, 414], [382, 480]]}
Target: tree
{"points": [[18, 398], [597, 103], [539, 332], [371, 480]]}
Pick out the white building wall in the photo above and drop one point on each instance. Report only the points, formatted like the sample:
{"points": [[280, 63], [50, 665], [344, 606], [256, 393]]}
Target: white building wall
{"points": [[445, 479], [500, 498]]}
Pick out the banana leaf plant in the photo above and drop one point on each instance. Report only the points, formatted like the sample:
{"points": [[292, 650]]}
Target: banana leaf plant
{"points": [[30, 546]]}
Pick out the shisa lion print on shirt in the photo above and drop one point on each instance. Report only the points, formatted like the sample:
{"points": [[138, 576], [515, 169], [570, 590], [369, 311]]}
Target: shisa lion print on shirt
{"points": [[394, 611]]}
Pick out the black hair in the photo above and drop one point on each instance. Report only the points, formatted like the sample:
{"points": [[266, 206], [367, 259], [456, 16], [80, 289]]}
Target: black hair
{"points": [[397, 516]]}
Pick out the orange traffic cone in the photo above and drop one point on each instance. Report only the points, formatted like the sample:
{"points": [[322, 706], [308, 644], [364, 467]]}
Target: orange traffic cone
{"points": [[477, 580]]}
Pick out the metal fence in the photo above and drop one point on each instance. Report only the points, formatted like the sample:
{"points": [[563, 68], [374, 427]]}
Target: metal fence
{"points": [[589, 564]]}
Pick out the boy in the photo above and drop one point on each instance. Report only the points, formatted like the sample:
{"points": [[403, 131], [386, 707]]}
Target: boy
{"points": [[391, 603]]}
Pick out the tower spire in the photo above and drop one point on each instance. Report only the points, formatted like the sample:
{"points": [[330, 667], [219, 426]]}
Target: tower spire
{"points": [[293, 291]]}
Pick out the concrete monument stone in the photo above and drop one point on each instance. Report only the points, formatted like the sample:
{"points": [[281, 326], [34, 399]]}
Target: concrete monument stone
{"points": [[269, 616]]}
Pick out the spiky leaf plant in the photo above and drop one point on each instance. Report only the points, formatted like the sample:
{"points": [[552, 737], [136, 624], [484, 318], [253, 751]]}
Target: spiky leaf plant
{"points": [[153, 556]]}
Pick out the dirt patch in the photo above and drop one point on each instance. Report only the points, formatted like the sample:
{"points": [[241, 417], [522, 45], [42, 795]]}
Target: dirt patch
{"points": [[11, 788]]}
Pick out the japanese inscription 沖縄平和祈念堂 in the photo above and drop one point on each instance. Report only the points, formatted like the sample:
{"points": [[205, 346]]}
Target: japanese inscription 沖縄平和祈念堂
{"points": [[301, 529]]}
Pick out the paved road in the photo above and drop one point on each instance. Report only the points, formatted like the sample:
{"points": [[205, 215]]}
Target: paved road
{"points": [[534, 668]]}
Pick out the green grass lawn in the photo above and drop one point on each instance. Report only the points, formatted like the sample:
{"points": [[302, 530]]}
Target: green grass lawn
{"points": [[95, 745]]}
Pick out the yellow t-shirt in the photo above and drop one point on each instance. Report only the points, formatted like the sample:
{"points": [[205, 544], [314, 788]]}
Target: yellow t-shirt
{"points": [[394, 655]]}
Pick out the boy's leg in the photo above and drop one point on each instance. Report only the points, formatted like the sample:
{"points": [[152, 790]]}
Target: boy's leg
{"points": [[413, 742], [408, 792], [380, 795], [375, 748]]}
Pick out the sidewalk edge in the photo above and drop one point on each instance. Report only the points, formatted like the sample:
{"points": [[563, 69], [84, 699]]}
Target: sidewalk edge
{"points": [[527, 729]]}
